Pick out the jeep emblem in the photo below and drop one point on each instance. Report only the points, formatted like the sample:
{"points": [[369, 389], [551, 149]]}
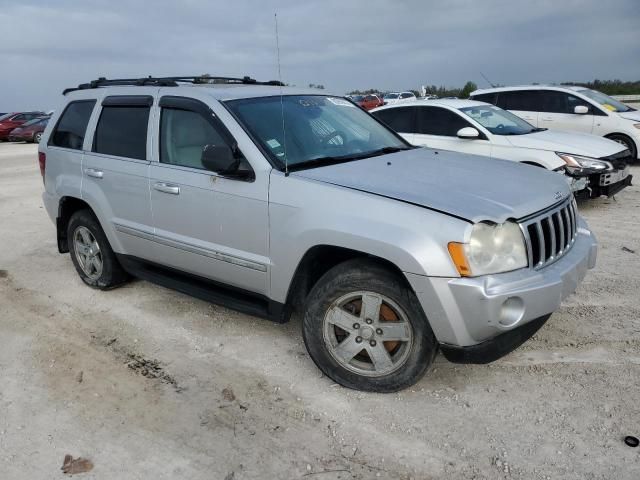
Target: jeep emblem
{"points": [[558, 195]]}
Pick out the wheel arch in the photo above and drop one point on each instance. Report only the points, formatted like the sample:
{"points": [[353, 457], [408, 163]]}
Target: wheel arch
{"points": [[628, 137], [66, 208], [318, 260]]}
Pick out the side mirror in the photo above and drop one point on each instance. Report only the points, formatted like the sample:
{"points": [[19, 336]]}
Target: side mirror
{"points": [[468, 133], [580, 110], [219, 159]]}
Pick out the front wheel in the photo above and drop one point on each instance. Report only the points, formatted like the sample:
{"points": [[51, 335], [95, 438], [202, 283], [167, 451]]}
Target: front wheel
{"points": [[627, 142], [365, 329]]}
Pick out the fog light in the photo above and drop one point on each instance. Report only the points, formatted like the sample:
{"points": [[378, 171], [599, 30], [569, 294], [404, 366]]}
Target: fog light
{"points": [[511, 312]]}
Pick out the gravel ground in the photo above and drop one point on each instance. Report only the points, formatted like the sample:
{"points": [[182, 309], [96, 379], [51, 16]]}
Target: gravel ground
{"points": [[148, 383]]}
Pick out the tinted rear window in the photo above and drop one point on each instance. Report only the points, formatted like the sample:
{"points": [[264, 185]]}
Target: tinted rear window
{"points": [[486, 97], [399, 119], [72, 126], [122, 131]]}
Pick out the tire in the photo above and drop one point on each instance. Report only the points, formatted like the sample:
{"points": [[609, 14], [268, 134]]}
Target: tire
{"points": [[348, 286], [627, 142], [98, 267], [37, 137]]}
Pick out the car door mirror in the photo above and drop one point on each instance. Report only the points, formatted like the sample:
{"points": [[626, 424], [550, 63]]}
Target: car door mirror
{"points": [[219, 159], [468, 133], [580, 110]]}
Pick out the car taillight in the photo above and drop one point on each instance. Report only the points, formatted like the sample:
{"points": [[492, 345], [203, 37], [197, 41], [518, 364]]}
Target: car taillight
{"points": [[42, 161]]}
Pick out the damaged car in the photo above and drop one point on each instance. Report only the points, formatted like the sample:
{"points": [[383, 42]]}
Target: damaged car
{"points": [[593, 166]]}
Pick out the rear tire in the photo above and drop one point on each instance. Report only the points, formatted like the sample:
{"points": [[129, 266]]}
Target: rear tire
{"points": [[365, 329], [627, 142], [91, 252]]}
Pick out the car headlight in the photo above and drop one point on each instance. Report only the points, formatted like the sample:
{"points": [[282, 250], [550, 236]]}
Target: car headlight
{"points": [[492, 248], [577, 164]]}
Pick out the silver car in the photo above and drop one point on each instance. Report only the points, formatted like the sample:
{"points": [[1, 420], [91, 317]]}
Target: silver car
{"points": [[273, 200]]}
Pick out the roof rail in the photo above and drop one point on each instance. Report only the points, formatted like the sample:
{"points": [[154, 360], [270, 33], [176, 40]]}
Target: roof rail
{"points": [[168, 82]]}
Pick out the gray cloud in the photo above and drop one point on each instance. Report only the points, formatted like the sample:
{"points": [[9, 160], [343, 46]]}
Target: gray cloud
{"points": [[341, 44]]}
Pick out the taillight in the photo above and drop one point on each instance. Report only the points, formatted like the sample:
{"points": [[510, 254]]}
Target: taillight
{"points": [[42, 161]]}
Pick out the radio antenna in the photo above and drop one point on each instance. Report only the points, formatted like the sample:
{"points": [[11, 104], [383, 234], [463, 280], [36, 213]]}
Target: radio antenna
{"points": [[284, 131], [487, 80]]}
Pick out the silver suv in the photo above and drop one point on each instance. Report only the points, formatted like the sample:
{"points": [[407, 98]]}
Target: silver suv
{"points": [[272, 200]]}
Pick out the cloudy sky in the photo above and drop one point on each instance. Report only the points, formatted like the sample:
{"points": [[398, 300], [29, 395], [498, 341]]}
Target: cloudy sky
{"points": [[343, 44]]}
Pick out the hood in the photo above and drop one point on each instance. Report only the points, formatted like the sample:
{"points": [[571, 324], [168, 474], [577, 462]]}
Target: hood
{"points": [[567, 142], [470, 187], [633, 115]]}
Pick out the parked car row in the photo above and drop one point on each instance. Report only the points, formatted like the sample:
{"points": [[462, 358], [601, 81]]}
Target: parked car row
{"points": [[593, 166], [23, 126], [301, 201]]}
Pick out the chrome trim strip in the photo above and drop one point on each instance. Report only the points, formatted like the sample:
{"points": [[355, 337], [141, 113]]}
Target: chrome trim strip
{"points": [[561, 225], [187, 247]]}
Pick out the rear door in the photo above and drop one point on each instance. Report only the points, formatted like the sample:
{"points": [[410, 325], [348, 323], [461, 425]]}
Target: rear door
{"points": [[524, 103], [116, 171], [206, 224], [558, 112], [437, 127], [400, 119]]}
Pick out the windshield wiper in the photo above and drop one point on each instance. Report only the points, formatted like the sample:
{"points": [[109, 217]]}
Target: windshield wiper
{"points": [[333, 160]]}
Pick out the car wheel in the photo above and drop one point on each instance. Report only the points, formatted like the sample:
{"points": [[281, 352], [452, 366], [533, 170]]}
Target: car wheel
{"points": [[91, 253], [37, 137], [365, 329], [627, 142]]}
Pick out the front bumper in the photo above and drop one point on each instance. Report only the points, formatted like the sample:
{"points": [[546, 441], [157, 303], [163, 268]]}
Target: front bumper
{"points": [[607, 184], [466, 312]]}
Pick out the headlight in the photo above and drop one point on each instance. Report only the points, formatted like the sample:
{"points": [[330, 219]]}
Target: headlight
{"points": [[491, 249], [577, 164]]}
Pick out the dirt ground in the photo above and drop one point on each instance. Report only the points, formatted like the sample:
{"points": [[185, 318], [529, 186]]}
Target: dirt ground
{"points": [[149, 383]]}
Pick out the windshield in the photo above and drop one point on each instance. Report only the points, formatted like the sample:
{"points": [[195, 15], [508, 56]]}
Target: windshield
{"points": [[606, 101], [317, 129], [357, 98], [498, 121], [5, 116], [391, 95]]}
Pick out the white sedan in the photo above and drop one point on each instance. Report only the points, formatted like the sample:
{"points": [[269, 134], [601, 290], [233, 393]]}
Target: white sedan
{"points": [[483, 129], [393, 98]]}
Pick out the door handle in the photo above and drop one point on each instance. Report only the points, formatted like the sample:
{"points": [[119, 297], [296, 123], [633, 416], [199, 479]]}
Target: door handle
{"points": [[92, 172], [167, 188]]}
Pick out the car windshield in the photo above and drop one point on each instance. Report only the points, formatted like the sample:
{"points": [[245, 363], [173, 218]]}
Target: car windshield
{"points": [[391, 95], [5, 116], [305, 131], [498, 121], [606, 101], [357, 98]]}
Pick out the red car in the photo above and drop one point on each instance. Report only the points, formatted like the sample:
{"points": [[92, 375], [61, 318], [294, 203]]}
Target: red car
{"points": [[13, 120], [370, 101], [30, 131]]}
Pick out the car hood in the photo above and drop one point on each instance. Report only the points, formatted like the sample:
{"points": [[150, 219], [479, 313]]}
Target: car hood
{"points": [[567, 142], [470, 187], [633, 115]]}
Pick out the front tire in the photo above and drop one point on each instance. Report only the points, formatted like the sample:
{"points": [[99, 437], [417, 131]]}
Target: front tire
{"points": [[627, 142], [365, 329], [91, 252]]}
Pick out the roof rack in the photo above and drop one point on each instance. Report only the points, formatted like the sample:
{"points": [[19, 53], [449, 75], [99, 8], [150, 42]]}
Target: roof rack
{"points": [[168, 82]]}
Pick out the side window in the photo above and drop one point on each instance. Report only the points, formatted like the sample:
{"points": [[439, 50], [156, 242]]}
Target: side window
{"points": [[183, 136], [406, 95], [72, 126], [439, 121], [122, 131], [400, 119], [19, 118], [519, 100], [486, 97]]}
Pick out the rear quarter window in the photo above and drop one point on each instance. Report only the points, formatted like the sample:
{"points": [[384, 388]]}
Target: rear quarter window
{"points": [[402, 119], [72, 126]]}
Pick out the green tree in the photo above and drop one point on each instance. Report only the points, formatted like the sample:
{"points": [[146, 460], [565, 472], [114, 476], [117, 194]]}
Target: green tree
{"points": [[467, 89]]}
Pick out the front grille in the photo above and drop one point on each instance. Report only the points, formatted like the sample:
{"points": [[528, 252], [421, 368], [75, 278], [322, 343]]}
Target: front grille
{"points": [[619, 160], [550, 235]]}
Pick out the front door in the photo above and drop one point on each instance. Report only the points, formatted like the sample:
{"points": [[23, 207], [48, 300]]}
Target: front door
{"points": [[437, 127], [558, 112], [206, 224]]}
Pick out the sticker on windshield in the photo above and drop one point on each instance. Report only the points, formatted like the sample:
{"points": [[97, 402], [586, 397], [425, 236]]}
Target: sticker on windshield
{"points": [[273, 143], [340, 102]]}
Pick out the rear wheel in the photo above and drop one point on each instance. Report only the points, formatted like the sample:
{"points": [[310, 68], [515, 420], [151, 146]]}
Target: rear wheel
{"points": [[364, 328], [91, 253], [627, 142]]}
